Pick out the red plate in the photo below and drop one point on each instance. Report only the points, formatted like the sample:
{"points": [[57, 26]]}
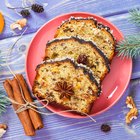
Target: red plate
{"points": [[113, 85]]}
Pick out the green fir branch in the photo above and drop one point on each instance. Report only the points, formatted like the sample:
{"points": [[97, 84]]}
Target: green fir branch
{"points": [[4, 103], [135, 16], [129, 47], [3, 100]]}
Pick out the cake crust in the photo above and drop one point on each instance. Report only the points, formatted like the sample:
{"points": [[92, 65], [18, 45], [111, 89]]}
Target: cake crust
{"points": [[77, 49], [89, 29]]}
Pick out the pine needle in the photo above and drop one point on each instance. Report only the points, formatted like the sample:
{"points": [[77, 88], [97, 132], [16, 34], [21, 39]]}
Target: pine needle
{"points": [[135, 16], [129, 47], [3, 102]]}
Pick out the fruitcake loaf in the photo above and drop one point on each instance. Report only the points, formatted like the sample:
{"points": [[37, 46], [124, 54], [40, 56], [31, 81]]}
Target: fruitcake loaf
{"points": [[65, 83], [89, 29], [84, 52]]}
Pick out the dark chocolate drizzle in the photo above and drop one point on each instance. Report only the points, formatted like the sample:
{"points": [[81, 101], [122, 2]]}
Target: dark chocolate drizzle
{"points": [[97, 24], [81, 41]]}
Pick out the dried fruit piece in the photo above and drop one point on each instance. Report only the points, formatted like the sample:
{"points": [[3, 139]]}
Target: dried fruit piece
{"points": [[105, 128], [3, 126], [82, 59], [37, 8], [25, 13], [2, 24]]}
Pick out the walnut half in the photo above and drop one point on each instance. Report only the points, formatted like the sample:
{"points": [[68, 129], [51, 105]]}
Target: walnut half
{"points": [[133, 113], [130, 102]]}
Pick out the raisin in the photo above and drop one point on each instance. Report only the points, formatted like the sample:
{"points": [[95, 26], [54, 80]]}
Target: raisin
{"points": [[82, 59], [105, 128]]}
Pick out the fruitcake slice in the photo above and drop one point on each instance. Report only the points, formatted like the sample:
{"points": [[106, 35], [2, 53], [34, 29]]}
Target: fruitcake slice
{"points": [[89, 29], [84, 52], [65, 83]]}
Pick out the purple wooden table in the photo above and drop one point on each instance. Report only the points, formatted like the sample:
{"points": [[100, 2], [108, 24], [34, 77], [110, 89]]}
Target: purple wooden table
{"points": [[57, 127]]}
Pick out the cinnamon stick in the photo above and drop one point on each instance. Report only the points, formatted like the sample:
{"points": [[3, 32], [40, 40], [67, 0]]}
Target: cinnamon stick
{"points": [[35, 117], [9, 92], [13, 92]]}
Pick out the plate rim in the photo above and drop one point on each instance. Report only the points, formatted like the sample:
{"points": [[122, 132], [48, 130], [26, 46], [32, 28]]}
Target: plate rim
{"points": [[70, 14]]}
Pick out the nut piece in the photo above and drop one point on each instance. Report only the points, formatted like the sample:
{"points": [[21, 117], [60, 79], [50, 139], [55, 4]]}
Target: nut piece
{"points": [[3, 128], [19, 24], [133, 113], [22, 22], [82, 59], [14, 26], [130, 102]]}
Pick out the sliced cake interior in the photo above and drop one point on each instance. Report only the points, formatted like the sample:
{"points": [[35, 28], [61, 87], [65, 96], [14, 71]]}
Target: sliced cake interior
{"points": [[66, 84], [89, 29], [84, 52]]}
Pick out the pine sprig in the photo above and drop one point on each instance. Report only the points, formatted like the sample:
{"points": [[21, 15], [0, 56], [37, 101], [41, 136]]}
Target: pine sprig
{"points": [[3, 102], [129, 47], [135, 16]]}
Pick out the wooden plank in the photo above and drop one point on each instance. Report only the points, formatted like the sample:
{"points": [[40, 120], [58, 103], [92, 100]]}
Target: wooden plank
{"points": [[57, 127]]}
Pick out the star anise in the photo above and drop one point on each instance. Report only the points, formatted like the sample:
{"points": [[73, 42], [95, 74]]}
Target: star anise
{"points": [[65, 89], [82, 59]]}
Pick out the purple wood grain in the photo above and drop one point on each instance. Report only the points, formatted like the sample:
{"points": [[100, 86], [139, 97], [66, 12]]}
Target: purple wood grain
{"points": [[57, 127]]}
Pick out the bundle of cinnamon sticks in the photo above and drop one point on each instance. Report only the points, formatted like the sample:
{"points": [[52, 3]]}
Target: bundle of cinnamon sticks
{"points": [[29, 118]]}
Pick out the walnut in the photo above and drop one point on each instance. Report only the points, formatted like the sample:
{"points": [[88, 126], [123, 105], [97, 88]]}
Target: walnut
{"points": [[130, 102], [133, 113]]}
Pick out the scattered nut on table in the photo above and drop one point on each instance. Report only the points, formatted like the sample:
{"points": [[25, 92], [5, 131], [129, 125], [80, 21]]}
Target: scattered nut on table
{"points": [[19, 24], [133, 113], [3, 128], [130, 102]]}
